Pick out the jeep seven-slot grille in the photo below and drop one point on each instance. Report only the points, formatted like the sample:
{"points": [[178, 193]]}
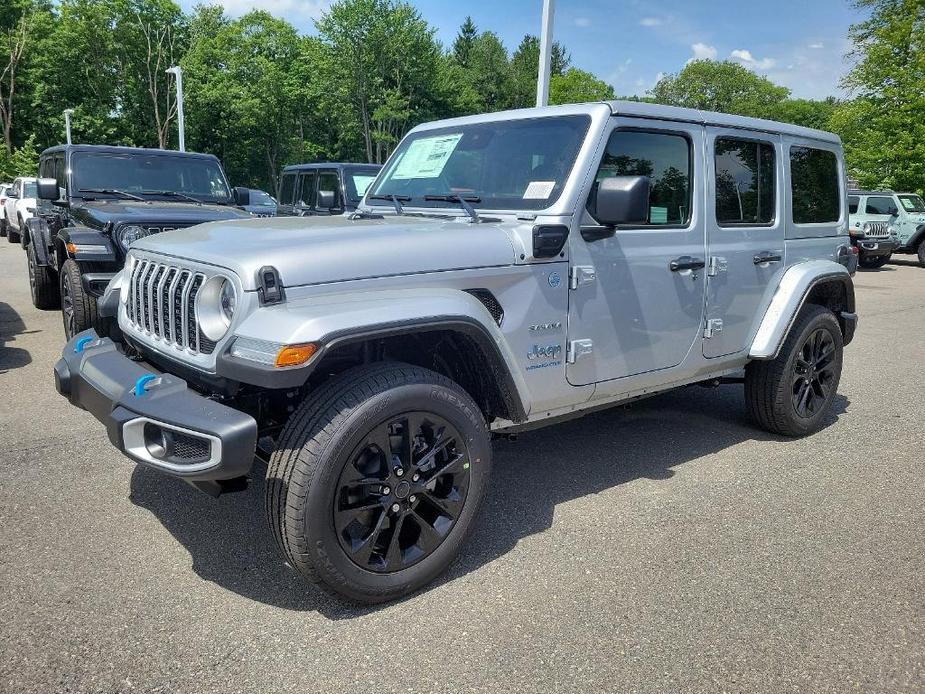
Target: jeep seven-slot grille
{"points": [[162, 303], [877, 230]]}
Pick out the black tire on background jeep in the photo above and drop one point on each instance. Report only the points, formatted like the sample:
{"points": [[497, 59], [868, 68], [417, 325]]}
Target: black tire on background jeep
{"points": [[42, 282], [3, 227], [921, 252], [78, 309], [872, 263], [11, 236], [376, 480], [792, 394]]}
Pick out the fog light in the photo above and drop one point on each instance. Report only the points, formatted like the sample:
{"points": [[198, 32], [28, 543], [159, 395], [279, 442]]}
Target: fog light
{"points": [[155, 440]]}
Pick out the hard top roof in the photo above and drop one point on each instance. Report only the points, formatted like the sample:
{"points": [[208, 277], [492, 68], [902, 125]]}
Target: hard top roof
{"points": [[885, 192], [114, 149], [331, 165]]}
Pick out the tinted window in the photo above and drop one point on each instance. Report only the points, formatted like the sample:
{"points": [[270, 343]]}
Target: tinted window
{"points": [[60, 174], [286, 189], [814, 185], [141, 172], [880, 205], [330, 181], [665, 158], [745, 182], [853, 201], [518, 164], [356, 181], [305, 194], [259, 197]]}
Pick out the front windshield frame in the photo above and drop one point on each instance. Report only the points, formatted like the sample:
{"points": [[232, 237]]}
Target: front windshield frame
{"points": [[183, 159], [514, 204], [918, 206]]}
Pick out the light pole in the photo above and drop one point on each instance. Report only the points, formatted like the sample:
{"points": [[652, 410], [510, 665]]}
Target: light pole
{"points": [[177, 71], [67, 123], [542, 82]]}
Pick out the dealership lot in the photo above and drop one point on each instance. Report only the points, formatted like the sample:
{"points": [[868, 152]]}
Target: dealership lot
{"points": [[664, 546]]}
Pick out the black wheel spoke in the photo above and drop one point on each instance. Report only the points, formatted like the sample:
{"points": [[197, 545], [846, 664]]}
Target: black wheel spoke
{"points": [[429, 538], [364, 547], [393, 555], [449, 506]]}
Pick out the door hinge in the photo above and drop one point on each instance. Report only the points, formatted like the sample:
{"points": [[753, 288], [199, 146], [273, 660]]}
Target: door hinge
{"points": [[713, 326], [716, 266], [578, 349], [581, 275]]}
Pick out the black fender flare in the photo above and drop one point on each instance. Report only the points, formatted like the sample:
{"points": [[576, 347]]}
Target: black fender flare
{"points": [[88, 245], [38, 235], [917, 238]]}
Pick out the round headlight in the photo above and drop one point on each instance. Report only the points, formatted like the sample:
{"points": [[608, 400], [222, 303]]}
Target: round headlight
{"points": [[215, 306], [129, 234], [866, 227]]}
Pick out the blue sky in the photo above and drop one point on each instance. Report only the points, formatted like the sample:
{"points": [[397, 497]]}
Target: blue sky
{"points": [[800, 44]]}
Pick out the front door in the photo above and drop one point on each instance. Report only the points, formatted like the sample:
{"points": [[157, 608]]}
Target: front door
{"points": [[745, 235], [285, 206], [637, 300]]}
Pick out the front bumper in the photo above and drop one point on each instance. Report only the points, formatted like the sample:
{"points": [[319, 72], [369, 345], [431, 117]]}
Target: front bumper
{"points": [[154, 418], [874, 248]]}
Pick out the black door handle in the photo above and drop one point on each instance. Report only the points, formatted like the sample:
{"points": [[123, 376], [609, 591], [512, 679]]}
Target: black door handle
{"points": [[768, 257], [686, 262]]}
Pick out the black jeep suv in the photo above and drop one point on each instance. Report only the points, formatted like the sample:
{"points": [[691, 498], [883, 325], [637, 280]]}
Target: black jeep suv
{"points": [[95, 200]]}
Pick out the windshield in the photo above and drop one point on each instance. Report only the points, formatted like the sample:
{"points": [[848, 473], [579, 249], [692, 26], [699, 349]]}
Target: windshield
{"points": [[504, 165], [912, 203], [261, 198], [197, 177], [356, 181]]}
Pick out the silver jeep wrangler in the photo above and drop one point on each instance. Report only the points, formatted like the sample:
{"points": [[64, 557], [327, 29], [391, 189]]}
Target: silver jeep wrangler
{"points": [[503, 272]]}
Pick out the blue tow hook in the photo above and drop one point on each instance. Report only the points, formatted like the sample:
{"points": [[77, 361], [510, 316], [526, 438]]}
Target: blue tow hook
{"points": [[140, 384], [82, 343]]}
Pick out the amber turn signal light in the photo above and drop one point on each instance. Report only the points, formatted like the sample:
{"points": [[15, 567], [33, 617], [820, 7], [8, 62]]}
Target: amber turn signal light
{"points": [[294, 355]]}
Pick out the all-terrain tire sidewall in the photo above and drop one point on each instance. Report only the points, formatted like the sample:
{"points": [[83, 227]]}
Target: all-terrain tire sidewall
{"points": [[317, 553], [2, 227], [921, 252], [44, 285], [84, 305], [768, 384]]}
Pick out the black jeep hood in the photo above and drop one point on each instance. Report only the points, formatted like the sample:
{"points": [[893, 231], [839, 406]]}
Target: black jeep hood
{"points": [[97, 213]]}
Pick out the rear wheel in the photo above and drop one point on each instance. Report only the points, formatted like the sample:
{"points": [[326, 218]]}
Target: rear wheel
{"points": [[792, 394], [3, 227], [377, 479], [872, 263], [12, 235], [42, 282], [921, 253], [78, 309]]}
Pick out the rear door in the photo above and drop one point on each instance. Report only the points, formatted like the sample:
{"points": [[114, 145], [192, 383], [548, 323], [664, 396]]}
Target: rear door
{"points": [[745, 234], [305, 193]]}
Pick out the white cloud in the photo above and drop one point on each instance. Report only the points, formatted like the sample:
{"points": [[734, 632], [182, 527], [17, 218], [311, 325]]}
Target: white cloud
{"points": [[294, 11], [748, 60], [651, 22], [582, 22], [817, 46], [703, 52]]}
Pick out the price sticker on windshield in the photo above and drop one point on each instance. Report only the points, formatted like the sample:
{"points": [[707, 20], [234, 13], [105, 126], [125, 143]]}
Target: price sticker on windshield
{"points": [[426, 157], [539, 190]]}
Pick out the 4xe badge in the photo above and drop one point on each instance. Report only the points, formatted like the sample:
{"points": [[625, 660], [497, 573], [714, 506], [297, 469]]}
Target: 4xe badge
{"points": [[554, 279]]}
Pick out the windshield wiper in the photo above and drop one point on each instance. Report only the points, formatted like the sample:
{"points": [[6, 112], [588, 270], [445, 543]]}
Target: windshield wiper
{"points": [[463, 202], [172, 194], [396, 200], [112, 191]]}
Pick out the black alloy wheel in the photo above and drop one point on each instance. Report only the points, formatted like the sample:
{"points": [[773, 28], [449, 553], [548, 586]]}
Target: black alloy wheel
{"points": [[401, 491], [814, 373]]}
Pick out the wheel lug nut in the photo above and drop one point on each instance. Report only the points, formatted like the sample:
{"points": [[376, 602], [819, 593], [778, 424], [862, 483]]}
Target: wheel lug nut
{"points": [[399, 472], [396, 508], [415, 477], [411, 499], [386, 490]]}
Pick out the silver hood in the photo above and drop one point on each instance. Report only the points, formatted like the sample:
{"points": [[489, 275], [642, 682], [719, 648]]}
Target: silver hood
{"points": [[316, 250]]}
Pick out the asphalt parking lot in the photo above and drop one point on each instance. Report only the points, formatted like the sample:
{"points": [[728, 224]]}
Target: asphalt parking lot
{"points": [[665, 546]]}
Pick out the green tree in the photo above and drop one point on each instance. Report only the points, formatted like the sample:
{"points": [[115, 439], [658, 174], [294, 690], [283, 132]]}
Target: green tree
{"points": [[883, 128], [577, 86], [809, 113], [466, 37], [720, 86], [22, 161], [525, 70], [489, 72]]}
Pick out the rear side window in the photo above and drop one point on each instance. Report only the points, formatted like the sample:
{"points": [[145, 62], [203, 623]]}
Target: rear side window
{"points": [[745, 182], [880, 205], [853, 202], [665, 158], [305, 194], [285, 189], [814, 186]]}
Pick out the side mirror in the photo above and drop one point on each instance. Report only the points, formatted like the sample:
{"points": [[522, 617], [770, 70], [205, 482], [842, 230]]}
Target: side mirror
{"points": [[893, 211], [47, 189], [325, 200], [242, 196], [622, 200]]}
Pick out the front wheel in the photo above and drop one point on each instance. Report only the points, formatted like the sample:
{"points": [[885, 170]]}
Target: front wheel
{"points": [[377, 479], [872, 263], [791, 394], [78, 309]]}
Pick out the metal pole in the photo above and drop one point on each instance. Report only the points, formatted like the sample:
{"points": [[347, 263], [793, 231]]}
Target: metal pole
{"points": [[542, 82], [178, 73], [67, 123]]}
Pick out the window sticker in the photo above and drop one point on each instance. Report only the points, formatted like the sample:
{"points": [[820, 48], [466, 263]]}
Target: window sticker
{"points": [[658, 215], [539, 190], [425, 158], [361, 183]]}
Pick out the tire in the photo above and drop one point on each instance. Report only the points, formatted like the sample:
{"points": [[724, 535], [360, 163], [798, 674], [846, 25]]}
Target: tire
{"points": [[43, 282], [11, 236], [921, 253], [326, 449], [807, 369], [3, 227], [875, 262], [78, 310]]}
